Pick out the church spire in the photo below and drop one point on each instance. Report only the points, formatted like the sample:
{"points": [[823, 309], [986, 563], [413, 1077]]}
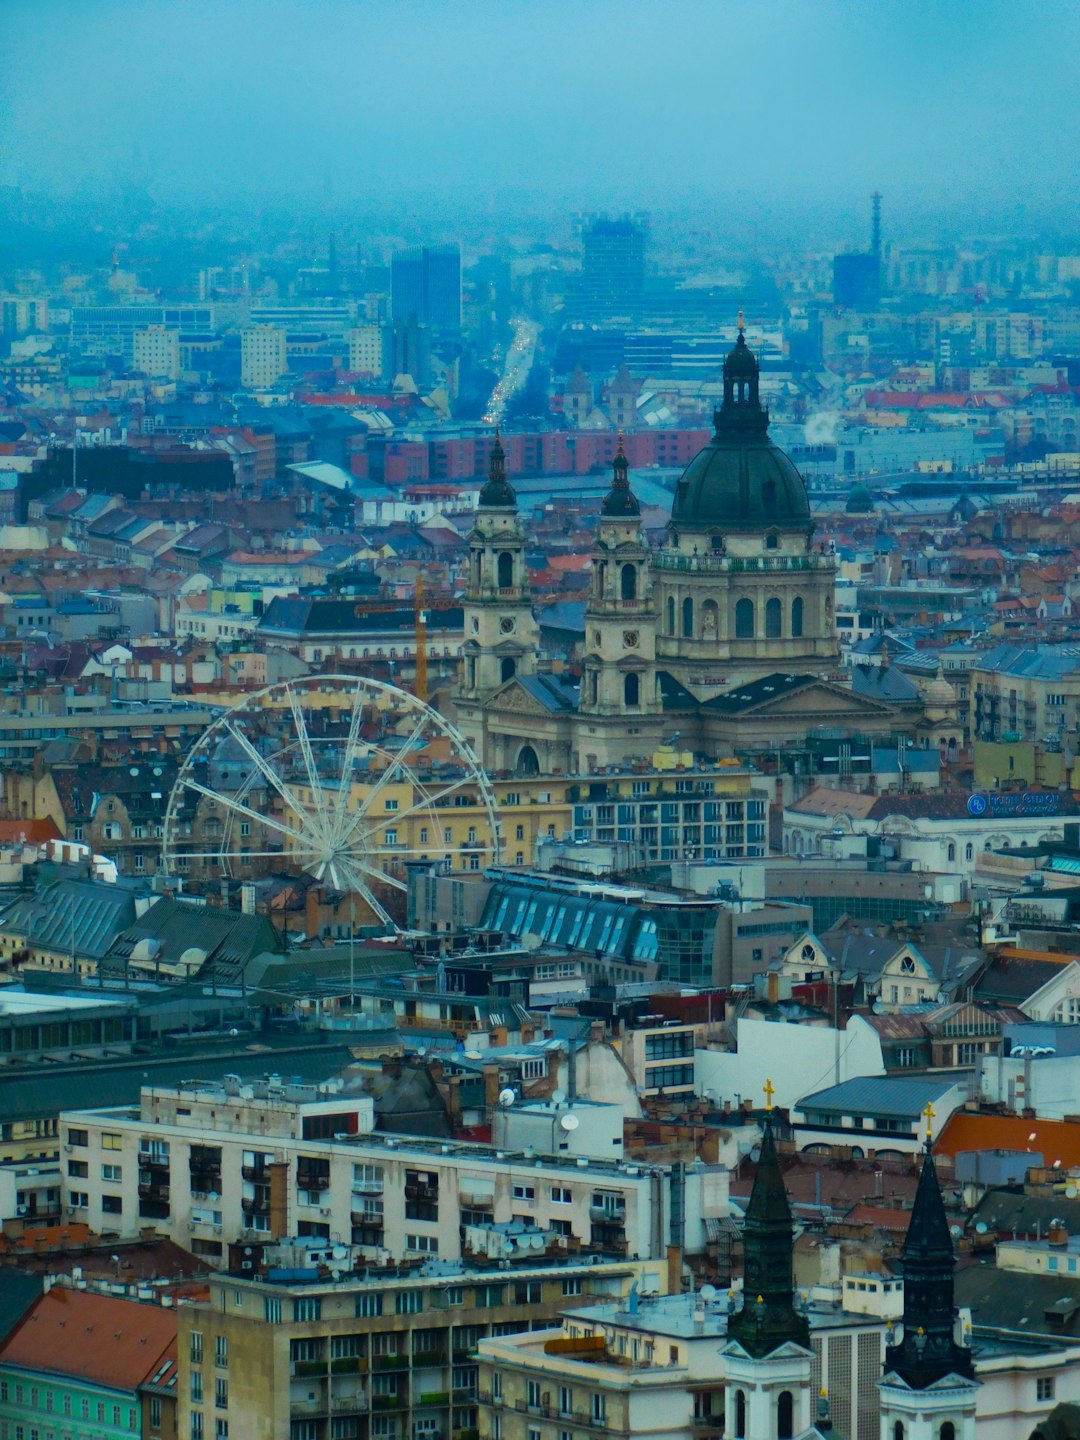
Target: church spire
{"points": [[620, 502], [768, 1318], [928, 1350], [497, 493], [742, 408]]}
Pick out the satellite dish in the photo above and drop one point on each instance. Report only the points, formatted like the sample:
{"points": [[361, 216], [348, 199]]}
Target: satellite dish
{"points": [[955, 1231], [339, 1252], [755, 1153], [1057, 1165], [530, 941], [707, 1292], [980, 1228], [472, 1055], [536, 1242], [507, 1096], [1071, 1191], [558, 1097], [213, 1195], [421, 1050], [335, 1273], [569, 1122]]}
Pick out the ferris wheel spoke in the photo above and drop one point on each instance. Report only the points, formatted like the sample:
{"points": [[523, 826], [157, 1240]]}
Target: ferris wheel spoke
{"points": [[428, 801], [262, 765], [240, 809], [245, 854], [393, 766], [351, 747], [377, 874], [316, 814]]}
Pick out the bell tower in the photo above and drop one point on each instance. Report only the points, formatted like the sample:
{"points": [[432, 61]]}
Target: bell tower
{"points": [[501, 634], [620, 700], [928, 1388], [768, 1355]]}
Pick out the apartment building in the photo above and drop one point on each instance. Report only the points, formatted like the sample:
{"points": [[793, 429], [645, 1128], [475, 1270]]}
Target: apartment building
{"points": [[386, 1355], [156, 352], [655, 1365], [209, 1164], [262, 356]]}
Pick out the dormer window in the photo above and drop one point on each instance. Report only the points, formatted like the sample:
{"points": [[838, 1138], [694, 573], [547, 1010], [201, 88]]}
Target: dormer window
{"points": [[772, 542], [907, 965]]}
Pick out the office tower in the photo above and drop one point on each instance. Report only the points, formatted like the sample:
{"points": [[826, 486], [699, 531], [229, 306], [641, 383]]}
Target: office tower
{"points": [[156, 352], [612, 282], [262, 356], [410, 351], [425, 286], [857, 275]]}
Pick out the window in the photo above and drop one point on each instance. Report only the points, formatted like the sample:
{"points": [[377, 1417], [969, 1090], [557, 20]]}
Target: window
{"points": [[221, 1351], [196, 1387], [78, 1199], [368, 1306], [785, 1407], [78, 1169], [424, 1244], [524, 1192], [560, 1195], [740, 1415], [221, 1393], [744, 619], [528, 1292], [77, 1137], [797, 617], [155, 1412], [948, 1431], [272, 1310], [598, 1408], [307, 1307], [409, 1302], [221, 1429], [688, 618], [112, 1204], [1044, 1387], [111, 1141], [532, 1393], [572, 1285], [112, 1172], [390, 804], [773, 624], [196, 1425], [566, 1400]]}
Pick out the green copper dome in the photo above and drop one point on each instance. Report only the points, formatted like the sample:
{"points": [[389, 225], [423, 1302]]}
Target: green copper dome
{"points": [[741, 480]]}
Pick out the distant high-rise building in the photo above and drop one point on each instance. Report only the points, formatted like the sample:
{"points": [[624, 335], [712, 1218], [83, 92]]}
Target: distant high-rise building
{"points": [[857, 275], [156, 352], [366, 349], [612, 284], [425, 286], [262, 356], [410, 351]]}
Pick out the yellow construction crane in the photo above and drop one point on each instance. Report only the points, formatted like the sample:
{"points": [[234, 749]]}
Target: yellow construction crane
{"points": [[421, 639]]}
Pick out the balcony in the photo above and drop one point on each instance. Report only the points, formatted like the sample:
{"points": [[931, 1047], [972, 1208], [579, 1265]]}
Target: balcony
{"points": [[390, 1362], [429, 1193], [603, 1215], [154, 1191], [366, 1220], [258, 1173], [429, 1357], [349, 1404]]}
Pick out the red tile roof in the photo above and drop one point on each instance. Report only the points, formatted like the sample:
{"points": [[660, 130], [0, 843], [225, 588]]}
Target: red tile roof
{"points": [[103, 1338], [1053, 1139]]}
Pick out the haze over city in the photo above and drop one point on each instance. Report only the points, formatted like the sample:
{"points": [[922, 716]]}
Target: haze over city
{"points": [[539, 720]]}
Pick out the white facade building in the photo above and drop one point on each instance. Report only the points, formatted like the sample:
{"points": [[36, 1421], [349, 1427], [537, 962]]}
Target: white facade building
{"points": [[156, 352], [211, 1164], [262, 356], [366, 349]]}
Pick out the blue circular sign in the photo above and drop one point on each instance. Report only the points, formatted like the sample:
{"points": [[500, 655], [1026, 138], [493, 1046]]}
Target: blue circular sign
{"points": [[976, 804]]}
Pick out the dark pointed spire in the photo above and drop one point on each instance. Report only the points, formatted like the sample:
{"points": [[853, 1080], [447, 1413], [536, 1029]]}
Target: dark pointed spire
{"points": [[497, 493], [620, 501], [742, 408], [768, 1318], [928, 1351]]}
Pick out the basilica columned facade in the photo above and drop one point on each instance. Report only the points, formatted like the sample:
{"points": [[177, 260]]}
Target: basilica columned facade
{"points": [[724, 634]]}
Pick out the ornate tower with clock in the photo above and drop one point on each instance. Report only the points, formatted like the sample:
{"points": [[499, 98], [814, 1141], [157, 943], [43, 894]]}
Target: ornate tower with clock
{"points": [[501, 634], [619, 690]]}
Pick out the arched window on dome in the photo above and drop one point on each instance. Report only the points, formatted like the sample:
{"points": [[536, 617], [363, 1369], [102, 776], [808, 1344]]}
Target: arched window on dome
{"points": [[948, 1431], [774, 619], [628, 582], [744, 619], [601, 578], [688, 618], [740, 1415], [797, 617], [476, 568], [631, 690], [506, 570], [772, 541], [671, 615]]}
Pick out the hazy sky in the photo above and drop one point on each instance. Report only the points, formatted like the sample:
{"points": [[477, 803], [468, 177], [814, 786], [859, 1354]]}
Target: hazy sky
{"points": [[636, 102]]}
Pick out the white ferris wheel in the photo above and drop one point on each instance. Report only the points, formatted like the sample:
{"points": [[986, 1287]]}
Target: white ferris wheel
{"points": [[340, 777]]}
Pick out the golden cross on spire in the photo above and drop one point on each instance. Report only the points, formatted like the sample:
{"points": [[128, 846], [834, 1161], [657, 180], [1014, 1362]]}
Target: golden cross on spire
{"points": [[770, 1091], [928, 1114], [742, 320]]}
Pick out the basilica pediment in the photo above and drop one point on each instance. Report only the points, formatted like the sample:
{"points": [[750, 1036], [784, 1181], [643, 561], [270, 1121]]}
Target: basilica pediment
{"points": [[529, 695], [797, 697]]}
